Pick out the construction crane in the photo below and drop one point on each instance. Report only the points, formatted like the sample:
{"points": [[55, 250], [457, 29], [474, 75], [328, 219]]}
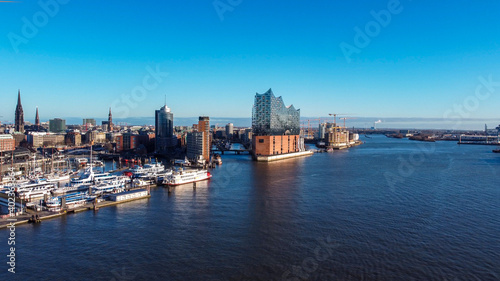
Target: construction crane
{"points": [[335, 116], [347, 118]]}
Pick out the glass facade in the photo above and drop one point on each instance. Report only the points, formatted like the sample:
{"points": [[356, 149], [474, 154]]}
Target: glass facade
{"points": [[164, 130], [270, 116], [57, 125], [194, 145]]}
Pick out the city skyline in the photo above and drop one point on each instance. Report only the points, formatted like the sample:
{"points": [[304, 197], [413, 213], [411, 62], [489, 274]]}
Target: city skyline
{"points": [[411, 67]]}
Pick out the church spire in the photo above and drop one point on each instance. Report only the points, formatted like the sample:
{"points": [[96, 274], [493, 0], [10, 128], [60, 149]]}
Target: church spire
{"points": [[19, 121], [37, 118], [110, 121]]}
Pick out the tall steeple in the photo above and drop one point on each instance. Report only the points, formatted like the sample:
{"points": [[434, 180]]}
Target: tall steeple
{"points": [[19, 127], [37, 118], [110, 121]]}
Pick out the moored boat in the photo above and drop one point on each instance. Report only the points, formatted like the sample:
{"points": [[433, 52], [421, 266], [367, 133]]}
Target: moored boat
{"points": [[187, 176]]}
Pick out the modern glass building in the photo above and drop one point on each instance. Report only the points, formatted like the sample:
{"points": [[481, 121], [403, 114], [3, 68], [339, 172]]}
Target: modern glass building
{"points": [[164, 130], [270, 116], [276, 127], [194, 142], [57, 125], [229, 130], [89, 121]]}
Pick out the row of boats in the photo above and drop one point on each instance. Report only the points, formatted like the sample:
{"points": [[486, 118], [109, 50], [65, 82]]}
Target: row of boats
{"points": [[89, 184], [171, 177]]}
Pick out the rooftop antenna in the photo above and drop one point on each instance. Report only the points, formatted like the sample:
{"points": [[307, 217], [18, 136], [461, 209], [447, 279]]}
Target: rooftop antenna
{"points": [[165, 99]]}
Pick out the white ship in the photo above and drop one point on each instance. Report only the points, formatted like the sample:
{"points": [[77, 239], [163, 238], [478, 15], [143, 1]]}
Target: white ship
{"points": [[58, 177], [87, 179], [109, 187], [148, 171], [160, 177], [34, 189], [148, 168], [72, 201], [183, 177]]}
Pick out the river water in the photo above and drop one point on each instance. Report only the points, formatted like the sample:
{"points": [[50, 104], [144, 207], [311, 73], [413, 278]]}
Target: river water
{"points": [[390, 209]]}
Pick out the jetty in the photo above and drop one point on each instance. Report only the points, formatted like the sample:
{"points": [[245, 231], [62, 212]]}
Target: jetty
{"points": [[26, 217]]}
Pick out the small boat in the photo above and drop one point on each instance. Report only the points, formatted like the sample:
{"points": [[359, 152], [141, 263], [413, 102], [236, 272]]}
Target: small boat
{"points": [[139, 183], [217, 159], [496, 150]]}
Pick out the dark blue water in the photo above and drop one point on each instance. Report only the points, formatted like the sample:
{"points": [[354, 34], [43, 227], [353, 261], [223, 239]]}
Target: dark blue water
{"points": [[387, 210]]}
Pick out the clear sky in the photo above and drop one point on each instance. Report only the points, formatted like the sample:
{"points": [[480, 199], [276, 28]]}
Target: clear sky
{"points": [[86, 56]]}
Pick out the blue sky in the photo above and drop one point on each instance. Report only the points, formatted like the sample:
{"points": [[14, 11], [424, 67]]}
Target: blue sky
{"points": [[90, 55]]}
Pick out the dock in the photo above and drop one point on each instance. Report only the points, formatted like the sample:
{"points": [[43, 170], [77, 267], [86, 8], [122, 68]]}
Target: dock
{"points": [[270, 158], [45, 215]]}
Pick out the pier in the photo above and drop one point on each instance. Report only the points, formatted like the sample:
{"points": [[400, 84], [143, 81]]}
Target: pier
{"points": [[6, 220], [270, 158]]}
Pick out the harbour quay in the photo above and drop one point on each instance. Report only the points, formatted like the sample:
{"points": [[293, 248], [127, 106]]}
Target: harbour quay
{"points": [[114, 199]]}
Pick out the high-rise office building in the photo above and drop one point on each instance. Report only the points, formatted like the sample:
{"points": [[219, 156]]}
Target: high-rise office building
{"points": [[89, 122], [229, 131], [57, 125], [19, 122], [165, 139], [204, 127], [194, 145], [276, 127], [198, 142]]}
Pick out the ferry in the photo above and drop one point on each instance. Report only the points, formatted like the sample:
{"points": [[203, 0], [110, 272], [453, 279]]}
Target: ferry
{"points": [[72, 200], [88, 176], [183, 177], [71, 188], [148, 169], [160, 177], [100, 186], [35, 189], [86, 180], [58, 177], [109, 187]]}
